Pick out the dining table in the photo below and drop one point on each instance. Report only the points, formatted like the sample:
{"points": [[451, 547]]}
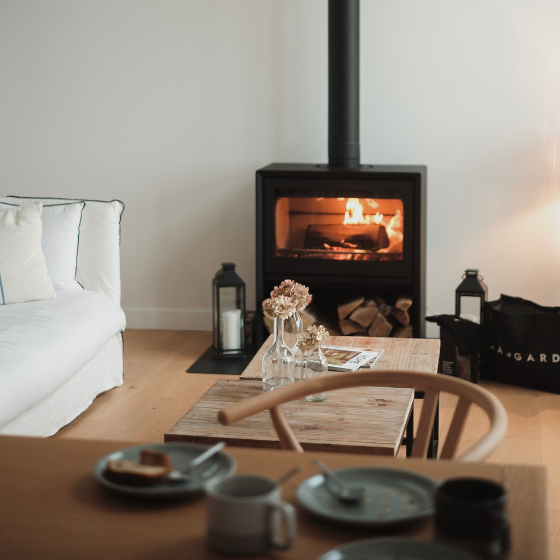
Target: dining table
{"points": [[52, 506]]}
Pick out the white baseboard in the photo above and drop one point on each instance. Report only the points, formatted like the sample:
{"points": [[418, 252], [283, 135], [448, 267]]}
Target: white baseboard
{"points": [[168, 319], [192, 320]]}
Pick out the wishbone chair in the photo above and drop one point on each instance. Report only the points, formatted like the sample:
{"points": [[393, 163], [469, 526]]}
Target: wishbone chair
{"points": [[430, 383]]}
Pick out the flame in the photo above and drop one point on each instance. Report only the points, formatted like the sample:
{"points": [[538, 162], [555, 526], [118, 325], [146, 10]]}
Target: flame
{"points": [[355, 216], [354, 213], [395, 234]]}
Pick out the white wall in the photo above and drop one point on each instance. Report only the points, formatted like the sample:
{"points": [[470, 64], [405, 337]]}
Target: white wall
{"points": [[171, 106]]}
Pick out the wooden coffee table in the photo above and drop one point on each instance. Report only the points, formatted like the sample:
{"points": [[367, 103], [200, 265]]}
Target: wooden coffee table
{"points": [[369, 420], [407, 354], [364, 420]]}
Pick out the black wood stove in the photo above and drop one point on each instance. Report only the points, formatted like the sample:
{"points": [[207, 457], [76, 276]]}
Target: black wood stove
{"points": [[343, 228]]}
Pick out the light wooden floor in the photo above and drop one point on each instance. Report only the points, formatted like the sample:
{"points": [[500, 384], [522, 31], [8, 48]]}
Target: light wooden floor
{"points": [[157, 392]]}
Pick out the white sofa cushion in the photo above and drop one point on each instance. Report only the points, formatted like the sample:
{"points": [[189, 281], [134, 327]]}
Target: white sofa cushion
{"points": [[98, 251], [61, 234], [44, 343], [23, 271]]}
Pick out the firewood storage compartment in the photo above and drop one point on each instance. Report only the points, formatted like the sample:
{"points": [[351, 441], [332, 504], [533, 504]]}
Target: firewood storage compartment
{"points": [[345, 232]]}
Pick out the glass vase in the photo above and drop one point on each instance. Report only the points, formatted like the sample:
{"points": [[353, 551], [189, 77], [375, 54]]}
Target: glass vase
{"points": [[293, 329], [315, 365], [278, 361]]}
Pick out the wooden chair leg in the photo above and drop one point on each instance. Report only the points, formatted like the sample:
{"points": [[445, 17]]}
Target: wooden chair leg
{"points": [[410, 432], [456, 429], [287, 438], [426, 424], [434, 444]]}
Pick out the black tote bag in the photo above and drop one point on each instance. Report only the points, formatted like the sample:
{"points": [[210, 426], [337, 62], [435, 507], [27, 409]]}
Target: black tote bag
{"points": [[525, 348]]}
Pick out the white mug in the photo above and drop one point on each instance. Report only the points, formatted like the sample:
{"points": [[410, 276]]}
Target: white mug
{"points": [[244, 515]]}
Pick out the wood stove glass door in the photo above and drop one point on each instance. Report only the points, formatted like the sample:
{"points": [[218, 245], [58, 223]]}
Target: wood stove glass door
{"points": [[364, 234]]}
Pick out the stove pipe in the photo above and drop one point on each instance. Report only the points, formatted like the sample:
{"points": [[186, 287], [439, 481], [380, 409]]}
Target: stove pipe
{"points": [[344, 83]]}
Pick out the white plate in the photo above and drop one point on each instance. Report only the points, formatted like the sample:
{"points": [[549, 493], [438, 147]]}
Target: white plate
{"points": [[392, 497], [390, 548], [220, 465]]}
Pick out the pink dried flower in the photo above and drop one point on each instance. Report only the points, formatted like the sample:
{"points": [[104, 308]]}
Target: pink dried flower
{"points": [[285, 289], [297, 292], [312, 338], [280, 307]]}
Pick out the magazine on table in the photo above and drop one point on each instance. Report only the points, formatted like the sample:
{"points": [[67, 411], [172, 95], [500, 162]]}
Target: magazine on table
{"points": [[342, 358]]}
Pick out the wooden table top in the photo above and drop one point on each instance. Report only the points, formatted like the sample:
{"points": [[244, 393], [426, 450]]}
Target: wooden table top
{"points": [[53, 508], [359, 420], [408, 354]]}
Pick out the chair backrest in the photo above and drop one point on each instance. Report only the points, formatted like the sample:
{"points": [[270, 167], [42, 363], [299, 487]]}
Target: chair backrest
{"points": [[430, 383]]}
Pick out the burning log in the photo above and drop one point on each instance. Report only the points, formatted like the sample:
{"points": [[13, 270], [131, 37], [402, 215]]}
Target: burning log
{"points": [[369, 237], [380, 326], [344, 309], [365, 314], [349, 327]]}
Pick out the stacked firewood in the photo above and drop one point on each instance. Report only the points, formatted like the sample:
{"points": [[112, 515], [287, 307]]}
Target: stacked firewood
{"points": [[374, 317], [360, 316]]}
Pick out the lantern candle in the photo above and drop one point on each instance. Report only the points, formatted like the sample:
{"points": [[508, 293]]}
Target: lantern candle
{"points": [[231, 321], [228, 313], [470, 297]]}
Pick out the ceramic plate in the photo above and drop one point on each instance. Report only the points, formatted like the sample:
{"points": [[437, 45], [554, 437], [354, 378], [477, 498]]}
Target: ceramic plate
{"points": [[220, 465], [396, 549], [392, 496]]}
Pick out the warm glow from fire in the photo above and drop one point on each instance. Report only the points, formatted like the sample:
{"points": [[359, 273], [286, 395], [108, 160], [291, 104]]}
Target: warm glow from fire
{"points": [[395, 234], [341, 228], [354, 213]]}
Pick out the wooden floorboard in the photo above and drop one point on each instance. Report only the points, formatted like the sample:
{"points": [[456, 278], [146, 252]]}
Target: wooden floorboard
{"points": [[157, 392]]}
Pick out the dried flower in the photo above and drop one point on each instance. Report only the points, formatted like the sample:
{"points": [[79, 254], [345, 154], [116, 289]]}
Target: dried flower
{"points": [[280, 307], [312, 338], [294, 290]]}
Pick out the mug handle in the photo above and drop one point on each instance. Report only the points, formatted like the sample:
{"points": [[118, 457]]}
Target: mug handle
{"points": [[288, 513]]}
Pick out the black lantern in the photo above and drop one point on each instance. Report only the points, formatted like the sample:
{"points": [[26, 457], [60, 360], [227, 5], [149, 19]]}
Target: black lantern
{"points": [[470, 297], [229, 313]]}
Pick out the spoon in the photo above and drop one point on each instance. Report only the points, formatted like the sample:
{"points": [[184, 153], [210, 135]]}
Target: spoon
{"points": [[348, 494], [286, 476], [184, 475]]}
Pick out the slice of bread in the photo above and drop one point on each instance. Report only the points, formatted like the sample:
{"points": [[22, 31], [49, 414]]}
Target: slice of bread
{"points": [[132, 473], [156, 459]]}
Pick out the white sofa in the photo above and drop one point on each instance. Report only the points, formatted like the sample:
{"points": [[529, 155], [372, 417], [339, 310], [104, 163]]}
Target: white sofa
{"points": [[57, 355]]}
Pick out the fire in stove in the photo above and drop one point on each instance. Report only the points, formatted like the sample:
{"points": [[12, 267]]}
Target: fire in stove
{"points": [[340, 228]]}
